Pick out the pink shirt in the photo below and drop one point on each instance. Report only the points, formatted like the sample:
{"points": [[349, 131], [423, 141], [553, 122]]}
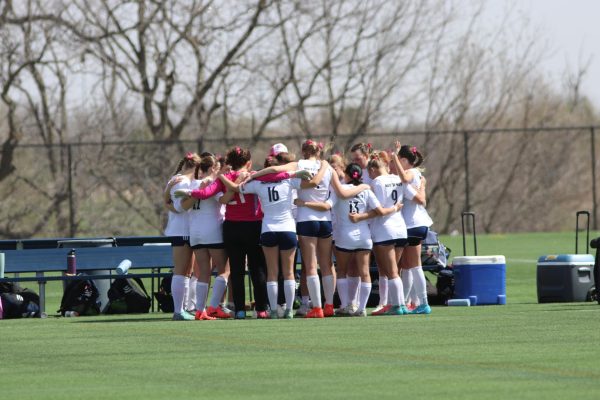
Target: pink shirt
{"points": [[243, 207]]}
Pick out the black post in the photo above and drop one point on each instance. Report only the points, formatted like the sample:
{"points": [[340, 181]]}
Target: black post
{"points": [[70, 189], [594, 202], [466, 161]]}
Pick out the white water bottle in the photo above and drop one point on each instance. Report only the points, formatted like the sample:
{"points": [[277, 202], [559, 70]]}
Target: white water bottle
{"points": [[123, 267]]}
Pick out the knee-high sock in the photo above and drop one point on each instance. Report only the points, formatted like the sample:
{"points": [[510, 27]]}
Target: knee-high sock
{"points": [[383, 290], [178, 289], [314, 290], [272, 292], [365, 291], [201, 293], [420, 284], [218, 290], [328, 288], [353, 287], [407, 282], [396, 292], [342, 288], [190, 302], [289, 289]]}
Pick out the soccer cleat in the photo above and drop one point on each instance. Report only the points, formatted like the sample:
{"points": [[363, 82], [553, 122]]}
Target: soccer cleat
{"points": [[394, 310], [315, 312], [381, 310], [273, 314], [359, 313], [288, 313], [240, 314], [203, 316], [411, 306], [328, 310], [261, 315], [422, 309], [404, 310], [302, 310], [378, 308], [217, 312], [227, 309], [183, 316]]}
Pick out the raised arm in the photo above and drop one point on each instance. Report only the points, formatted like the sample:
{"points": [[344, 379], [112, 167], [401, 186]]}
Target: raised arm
{"points": [[405, 176], [346, 193]]}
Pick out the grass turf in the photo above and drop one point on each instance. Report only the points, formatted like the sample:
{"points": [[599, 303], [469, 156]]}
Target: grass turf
{"points": [[521, 350]]}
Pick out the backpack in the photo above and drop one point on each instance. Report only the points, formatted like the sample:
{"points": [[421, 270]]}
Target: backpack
{"points": [[127, 295], [163, 297], [80, 296], [433, 252], [17, 302]]}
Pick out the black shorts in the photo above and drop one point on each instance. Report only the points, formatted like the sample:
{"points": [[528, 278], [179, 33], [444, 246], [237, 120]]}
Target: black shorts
{"points": [[350, 250], [395, 242], [178, 241], [318, 229], [416, 235], [285, 240], [209, 246]]}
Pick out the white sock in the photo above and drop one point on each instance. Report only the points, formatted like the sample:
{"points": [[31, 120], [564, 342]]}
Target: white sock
{"points": [[190, 304], [396, 291], [365, 291], [353, 287], [383, 290], [328, 288], [289, 289], [218, 289], [314, 290], [420, 284], [272, 292], [201, 293], [178, 288], [342, 288], [407, 282]]}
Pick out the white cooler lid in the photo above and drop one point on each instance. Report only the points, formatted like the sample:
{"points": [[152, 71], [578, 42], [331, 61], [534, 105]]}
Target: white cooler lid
{"points": [[478, 260]]}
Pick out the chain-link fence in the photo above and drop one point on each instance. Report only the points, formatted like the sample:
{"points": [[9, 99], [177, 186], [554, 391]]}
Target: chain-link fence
{"points": [[513, 179]]}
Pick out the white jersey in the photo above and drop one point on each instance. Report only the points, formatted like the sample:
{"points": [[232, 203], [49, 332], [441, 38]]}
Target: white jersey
{"points": [[276, 200], [349, 235], [389, 190], [415, 214], [178, 223], [206, 220], [318, 194]]}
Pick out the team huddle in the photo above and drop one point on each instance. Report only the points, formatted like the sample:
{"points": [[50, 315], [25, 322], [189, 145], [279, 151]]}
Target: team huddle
{"points": [[226, 217]]}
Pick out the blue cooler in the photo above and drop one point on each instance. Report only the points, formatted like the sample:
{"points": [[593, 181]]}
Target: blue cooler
{"points": [[481, 279], [565, 278]]}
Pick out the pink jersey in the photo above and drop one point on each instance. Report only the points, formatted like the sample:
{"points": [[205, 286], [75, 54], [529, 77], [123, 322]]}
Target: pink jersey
{"points": [[243, 207]]}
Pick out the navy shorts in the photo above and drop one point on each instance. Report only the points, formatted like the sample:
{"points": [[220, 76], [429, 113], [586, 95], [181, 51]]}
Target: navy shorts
{"points": [[178, 241], [285, 240], [319, 229], [416, 235], [209, 246], [395, 242]]}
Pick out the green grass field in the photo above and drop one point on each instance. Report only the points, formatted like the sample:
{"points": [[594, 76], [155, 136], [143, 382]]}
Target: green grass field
{"points": [[523, 350]]}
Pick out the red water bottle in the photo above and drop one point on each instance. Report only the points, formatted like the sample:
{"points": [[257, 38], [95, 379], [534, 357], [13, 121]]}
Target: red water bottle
{"points": [[71, 266]]}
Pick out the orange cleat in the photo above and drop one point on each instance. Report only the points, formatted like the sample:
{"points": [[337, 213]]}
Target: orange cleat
{"points": [[382, 310], [217, 312], [203, 316], [315, 312], [328, 311]]}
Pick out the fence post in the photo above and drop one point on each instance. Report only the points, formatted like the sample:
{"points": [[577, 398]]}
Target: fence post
{"points": [[466, 161], [70, 189], [594, 203]]}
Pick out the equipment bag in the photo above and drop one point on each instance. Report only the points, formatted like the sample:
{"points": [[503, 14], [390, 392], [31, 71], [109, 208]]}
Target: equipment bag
{"points": [[80, 296], [127, 295], [164, 297], [17, 302]]}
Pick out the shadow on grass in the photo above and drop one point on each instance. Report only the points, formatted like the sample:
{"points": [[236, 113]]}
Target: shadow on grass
{"points": [[83, 320]]}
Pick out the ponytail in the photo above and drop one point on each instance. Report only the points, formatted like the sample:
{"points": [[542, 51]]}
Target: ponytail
{"points": [[414, 157], [354, 171]]}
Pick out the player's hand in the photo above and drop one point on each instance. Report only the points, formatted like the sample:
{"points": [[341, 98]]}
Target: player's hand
{"points": [[303, 174], [182, 193]]}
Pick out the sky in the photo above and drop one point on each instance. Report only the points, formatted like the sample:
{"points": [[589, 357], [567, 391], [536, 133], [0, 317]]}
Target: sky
{"points": [[572, 29]]}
